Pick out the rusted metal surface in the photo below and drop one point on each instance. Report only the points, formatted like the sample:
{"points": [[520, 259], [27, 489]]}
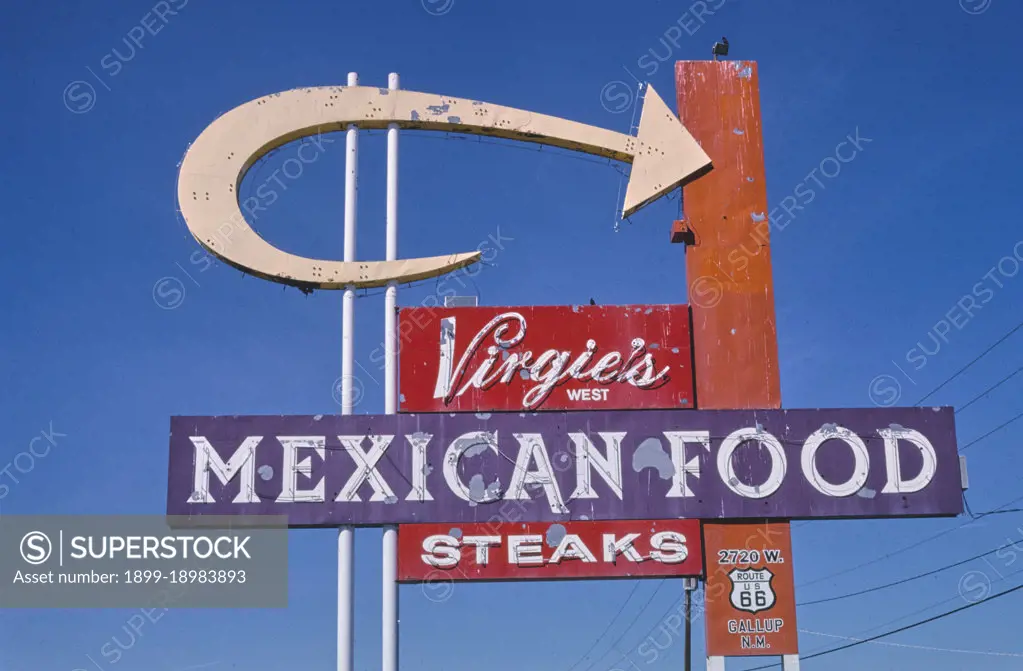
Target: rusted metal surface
{"points": [[545, 357], [728, 265], [503, 550]]}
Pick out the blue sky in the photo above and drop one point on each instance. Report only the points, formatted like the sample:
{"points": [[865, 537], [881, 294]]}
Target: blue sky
{"points": [[870, 270]]}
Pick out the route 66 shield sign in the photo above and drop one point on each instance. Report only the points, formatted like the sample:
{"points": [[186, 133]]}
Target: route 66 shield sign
{"points": [[751, 589]]}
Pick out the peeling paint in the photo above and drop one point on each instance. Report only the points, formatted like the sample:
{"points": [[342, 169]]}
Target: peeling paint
{"points": [[651, 454], [494, 490], [438, 109], [743, 70], [555, 534], [749, 179], [477, 490], [384, 91], [317, 418], [401, 397], [454, 119], [757, 216], [475, 448], [266, 472], [738, 131], [655, 345], [866, 493], [674, 350], [482, 415], [455, 532], [415, 115], [391, 500]]}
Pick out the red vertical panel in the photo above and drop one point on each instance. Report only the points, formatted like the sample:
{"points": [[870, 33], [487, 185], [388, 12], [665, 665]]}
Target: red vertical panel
{"points": [[728, 267], [731, 290]]}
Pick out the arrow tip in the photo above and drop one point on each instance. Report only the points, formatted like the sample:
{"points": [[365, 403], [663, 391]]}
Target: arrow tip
{"points": [[667, 155]]}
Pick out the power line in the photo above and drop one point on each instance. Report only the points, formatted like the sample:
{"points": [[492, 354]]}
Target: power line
{"points": [[928, 539], [904, 580], [994, 430], [660, 620], [607, 628], [990, 389], [919, 611], [900, 629], [975, 360], [923, 647], [629, 628]]}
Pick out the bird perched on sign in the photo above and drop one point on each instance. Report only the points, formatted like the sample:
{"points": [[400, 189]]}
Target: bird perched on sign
{"points": [[720, 48], [593, 302]]}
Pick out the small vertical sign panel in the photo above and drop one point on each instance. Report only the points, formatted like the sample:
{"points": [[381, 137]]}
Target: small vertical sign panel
{"points": [[751, 592]]}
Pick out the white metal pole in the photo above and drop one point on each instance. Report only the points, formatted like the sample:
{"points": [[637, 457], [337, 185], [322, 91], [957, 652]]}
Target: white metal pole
{"points": [[389, 547], [346, 534]]}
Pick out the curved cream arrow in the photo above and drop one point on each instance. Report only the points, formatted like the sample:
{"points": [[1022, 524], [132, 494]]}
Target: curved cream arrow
{"points": [[663, 155]]}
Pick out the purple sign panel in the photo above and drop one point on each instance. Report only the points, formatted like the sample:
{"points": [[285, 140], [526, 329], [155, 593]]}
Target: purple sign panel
{"points": [[329, 470]]}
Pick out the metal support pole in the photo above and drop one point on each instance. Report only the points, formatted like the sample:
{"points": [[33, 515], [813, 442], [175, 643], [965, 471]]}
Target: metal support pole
{"points": [[688, 585], [389, 547], [790, 663], [346, 534]]}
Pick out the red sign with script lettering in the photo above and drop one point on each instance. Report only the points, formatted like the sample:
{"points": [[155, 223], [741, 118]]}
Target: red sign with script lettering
{"points": [[548, 357], [549, 551]]}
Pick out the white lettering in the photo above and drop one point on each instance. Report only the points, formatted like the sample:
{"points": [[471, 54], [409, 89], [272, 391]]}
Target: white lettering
{"points": [[290, 491], [896, 484], [207, 461], [441, 551], [572, 547], [726, 469], [531, 448], [669, 547], [482, 544], [588, 460], [861, 459], [458, 447], [613, 548], [525, 550], [550, 369], [677, 440], [419, 492], [366, 470]]}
